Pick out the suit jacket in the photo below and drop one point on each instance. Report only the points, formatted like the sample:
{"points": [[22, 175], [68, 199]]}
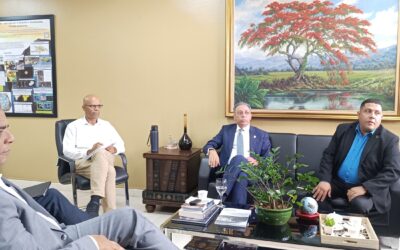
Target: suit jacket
{"points": [[259, 142], [379, 163], [21, 227]]}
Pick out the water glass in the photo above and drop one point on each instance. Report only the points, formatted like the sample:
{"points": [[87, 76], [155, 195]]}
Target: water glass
{"points": [[221, 185]]}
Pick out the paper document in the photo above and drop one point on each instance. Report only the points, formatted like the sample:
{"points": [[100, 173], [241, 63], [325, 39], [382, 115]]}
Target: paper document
{"points": [[38, 190], [98, 149]]}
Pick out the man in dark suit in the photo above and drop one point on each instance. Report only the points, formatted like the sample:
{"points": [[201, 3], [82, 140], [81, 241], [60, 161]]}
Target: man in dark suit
{"points": [[236, 142], [360, 163], [24, 224]]}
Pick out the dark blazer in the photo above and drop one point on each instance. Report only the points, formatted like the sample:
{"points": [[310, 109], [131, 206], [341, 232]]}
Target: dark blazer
{"points": [[259, 142], [379, 163]]}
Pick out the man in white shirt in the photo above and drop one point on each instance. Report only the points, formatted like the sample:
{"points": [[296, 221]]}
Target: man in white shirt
{"points": [[24, 224], [93, 143], [236, 142]]}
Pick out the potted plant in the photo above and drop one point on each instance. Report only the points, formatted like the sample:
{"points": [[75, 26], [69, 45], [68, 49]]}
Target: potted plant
{"points": [[275, 188]]}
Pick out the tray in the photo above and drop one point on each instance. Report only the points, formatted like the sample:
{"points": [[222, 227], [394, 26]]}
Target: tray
{"points": [[371, 242]]}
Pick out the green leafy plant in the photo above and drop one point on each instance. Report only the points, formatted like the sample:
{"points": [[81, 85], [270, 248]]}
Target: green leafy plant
{"points": [[330, 222], [274, 185], [247, 90]]}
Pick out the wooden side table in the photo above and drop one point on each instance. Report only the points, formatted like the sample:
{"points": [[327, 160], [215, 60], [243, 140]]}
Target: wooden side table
{"points": [[171, 177]]}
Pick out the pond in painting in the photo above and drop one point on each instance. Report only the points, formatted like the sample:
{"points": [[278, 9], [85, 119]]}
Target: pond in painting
{"points": [[315, 100]]}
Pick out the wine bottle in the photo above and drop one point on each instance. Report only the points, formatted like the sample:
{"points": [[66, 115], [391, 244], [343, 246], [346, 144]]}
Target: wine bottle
{"points": [[185, 143]]}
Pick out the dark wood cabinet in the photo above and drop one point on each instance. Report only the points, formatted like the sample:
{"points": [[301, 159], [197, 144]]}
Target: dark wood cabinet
{"points": [[171, 177]]}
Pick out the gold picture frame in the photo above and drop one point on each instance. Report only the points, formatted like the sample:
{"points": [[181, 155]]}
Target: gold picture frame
{"points": [[333, 92]]}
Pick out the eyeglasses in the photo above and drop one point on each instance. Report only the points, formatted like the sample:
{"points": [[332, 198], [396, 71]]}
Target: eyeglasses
{"points": [[95, 106]]}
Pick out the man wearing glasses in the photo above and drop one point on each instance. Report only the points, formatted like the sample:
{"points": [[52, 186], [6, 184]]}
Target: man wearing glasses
{"points": [[92, 143]]}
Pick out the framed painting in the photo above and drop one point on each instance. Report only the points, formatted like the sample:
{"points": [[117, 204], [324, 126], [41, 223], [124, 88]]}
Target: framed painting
{"points": [[312, 59], [28, 66]]}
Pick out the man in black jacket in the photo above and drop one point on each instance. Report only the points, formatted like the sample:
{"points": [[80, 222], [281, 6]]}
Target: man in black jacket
{"points": [[360, 163]]}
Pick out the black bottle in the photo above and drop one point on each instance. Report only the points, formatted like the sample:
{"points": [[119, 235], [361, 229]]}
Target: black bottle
{"points": [[185, 143]]}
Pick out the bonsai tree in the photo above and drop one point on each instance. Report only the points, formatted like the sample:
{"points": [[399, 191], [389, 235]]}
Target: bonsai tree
{"points": [[275, 186]]}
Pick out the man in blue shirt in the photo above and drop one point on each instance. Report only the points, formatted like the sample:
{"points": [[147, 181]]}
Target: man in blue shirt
{"points": [[360, 163]]}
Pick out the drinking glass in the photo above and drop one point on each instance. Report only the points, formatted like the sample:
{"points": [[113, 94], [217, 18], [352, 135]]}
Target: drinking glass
{"points": [[221, 185]]}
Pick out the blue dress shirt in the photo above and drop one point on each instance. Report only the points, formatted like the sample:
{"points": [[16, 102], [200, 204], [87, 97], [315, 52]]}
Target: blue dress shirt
{"points": [[348, 171]]}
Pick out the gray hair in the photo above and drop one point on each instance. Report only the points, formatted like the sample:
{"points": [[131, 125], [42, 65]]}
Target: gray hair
{"points": [[240, 104]]}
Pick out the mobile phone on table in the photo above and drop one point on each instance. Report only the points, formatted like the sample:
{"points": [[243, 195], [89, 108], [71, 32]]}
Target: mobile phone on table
{"points": [[194, 202]]}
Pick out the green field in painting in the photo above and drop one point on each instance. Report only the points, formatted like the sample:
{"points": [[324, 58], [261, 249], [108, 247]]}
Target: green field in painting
{"points": [[370, 83], [358, 79]]}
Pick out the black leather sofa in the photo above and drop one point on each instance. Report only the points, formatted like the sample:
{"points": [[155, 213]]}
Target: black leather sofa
{"points": [[312, 147]]}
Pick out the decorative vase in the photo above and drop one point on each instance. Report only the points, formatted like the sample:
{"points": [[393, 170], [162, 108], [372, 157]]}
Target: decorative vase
{"points": [[185, 143], [274, 217]]}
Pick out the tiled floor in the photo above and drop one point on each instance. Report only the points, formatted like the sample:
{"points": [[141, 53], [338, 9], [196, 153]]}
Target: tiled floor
{"points": [[160, 215]]}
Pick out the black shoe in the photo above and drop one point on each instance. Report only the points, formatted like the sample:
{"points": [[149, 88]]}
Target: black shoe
{"points": [[92, 209]]}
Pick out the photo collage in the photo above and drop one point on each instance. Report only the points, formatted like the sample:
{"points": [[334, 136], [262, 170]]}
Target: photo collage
{"points": [[26, 74]]}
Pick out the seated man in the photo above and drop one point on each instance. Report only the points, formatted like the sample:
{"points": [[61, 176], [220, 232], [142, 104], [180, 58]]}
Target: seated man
{"points": [[236, 142], [88, 135], [61, 208], [24, 224], [360, 163]]}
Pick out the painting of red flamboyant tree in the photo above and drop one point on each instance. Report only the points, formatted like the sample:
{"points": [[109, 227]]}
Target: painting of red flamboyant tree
{"points": [[317, 59]]}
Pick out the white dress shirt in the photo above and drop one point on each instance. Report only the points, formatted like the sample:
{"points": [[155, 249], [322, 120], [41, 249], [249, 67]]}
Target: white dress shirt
{"points": [[80, 136], [246, 142]]}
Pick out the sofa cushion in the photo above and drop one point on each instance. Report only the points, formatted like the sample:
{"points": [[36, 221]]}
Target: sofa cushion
{"points": [[312, 148], [287, 144]]}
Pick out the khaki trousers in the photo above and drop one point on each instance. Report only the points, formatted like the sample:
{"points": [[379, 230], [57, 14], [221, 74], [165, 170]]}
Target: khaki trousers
{"points": [[101, 172]]}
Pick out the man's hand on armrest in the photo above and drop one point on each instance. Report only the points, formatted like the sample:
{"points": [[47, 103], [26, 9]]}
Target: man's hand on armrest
{"points": [[213, 158]]}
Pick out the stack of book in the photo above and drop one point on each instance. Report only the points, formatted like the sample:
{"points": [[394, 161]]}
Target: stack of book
{"points": [[197, 212]]}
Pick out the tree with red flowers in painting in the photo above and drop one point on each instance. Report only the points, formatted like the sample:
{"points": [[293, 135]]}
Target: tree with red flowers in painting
{"points": [[298, 30]]}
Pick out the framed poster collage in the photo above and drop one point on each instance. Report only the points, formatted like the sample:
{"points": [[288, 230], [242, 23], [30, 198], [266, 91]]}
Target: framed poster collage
{"points": [[28, 66]]}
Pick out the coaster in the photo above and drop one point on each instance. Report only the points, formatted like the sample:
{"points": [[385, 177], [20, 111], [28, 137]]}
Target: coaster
{"points": [[305, 216]]}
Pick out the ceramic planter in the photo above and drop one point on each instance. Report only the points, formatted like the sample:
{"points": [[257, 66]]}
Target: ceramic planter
{"points": [[274, 217]]}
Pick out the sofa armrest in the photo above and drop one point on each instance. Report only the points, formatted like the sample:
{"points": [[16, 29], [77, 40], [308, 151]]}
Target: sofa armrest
{"points": [[204, 174], [394, 215]]}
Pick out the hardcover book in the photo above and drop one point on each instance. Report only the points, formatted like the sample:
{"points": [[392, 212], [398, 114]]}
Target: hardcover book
{"points": [[199, 206], [199, 243], [197, 214], [197, 222], [233, 217]]}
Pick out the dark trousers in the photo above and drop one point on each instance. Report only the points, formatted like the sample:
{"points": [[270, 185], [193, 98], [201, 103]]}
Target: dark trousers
{"points": [[61, 208], [361, 204], [236, 192]]}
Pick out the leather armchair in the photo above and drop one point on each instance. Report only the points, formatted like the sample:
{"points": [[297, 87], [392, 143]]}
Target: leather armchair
{"points": [[66, 166]]}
